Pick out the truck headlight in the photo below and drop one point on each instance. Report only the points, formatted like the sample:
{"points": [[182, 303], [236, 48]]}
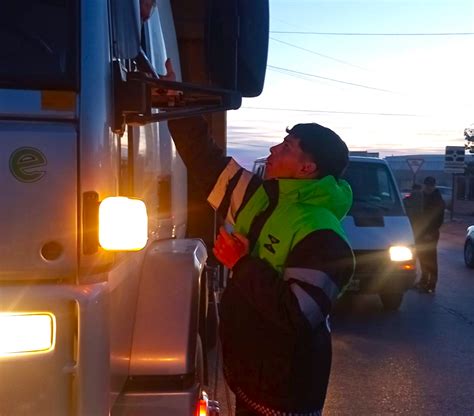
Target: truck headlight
{"points": [[26, 333], [123, 224], [400, 253]]}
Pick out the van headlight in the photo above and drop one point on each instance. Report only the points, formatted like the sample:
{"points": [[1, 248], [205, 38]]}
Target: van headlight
{"points": [[400, 253], [26, 333]]}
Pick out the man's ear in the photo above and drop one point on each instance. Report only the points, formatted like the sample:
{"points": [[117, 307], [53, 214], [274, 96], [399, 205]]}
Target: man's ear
{"points": [[309, 169]]}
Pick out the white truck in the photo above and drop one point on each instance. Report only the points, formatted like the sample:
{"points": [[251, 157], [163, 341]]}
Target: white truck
{"points": [[101, 288]]}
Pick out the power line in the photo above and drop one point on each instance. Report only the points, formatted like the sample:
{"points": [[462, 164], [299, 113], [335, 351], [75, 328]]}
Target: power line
{"points": [[330, 79], [316, 53], [292, 75], [358, 113], [284, 71], [372, 34], [286, 23]]}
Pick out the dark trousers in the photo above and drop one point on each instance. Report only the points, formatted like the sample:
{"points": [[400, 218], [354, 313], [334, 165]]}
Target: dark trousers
{"points": [[242, 410], [428, 256]]}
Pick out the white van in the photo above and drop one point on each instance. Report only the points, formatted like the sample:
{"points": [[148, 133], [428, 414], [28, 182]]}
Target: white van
{"points": [[379, 232], [378, 229]]}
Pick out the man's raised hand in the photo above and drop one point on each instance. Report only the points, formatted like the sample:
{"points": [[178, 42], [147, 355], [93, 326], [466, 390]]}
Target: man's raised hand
{"points": [[230, 248]]}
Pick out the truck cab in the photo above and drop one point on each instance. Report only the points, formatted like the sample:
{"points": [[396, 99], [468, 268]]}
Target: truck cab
{"points": [[101, 283]]}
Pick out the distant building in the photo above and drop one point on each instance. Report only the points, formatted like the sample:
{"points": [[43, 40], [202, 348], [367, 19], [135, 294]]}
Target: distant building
{"points": [[363, 153]]}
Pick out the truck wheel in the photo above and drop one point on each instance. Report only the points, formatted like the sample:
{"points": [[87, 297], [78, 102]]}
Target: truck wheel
{"points": [[469, 254], [211, 325], [199, 362], [391, 301], [207, 316]]}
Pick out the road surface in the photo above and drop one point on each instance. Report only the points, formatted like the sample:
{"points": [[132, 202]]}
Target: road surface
{"points": [[416, 361]]}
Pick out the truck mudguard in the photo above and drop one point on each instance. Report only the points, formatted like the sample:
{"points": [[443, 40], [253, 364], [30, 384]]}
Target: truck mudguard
{"points": [[166, 321]]}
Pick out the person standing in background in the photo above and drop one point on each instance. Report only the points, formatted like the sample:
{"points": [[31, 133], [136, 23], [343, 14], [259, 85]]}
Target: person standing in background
{"points": [[428, 235], [414, 208]]}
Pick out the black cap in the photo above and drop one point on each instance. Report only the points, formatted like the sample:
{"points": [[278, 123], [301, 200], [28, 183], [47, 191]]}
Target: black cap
{"points": [[325, 147], [430, 180]]}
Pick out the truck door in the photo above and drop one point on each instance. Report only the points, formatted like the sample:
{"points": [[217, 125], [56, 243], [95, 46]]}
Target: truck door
{"points": [[38, 140]]}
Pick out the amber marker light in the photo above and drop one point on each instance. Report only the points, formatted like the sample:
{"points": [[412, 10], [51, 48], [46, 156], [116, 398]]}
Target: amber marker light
{"points": [[400, 253], [203, 406], [123, 224], [27, 333]]}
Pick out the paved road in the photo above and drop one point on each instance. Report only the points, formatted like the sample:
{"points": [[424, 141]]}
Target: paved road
{"points": [[416, 361]]}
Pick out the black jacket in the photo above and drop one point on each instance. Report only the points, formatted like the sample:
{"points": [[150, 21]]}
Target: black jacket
{"points": [[433, 216], [414, 209], [277, 353]]}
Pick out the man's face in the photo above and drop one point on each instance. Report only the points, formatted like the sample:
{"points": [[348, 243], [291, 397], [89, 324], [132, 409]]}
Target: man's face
{"points": [[428, 189], [146, 9], [287, 160]]}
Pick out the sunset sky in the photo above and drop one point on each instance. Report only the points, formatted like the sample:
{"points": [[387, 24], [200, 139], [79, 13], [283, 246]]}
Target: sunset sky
{"points": [[392, 76]]}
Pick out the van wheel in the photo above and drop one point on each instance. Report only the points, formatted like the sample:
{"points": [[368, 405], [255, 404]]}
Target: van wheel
{"points": [[469, 254], [391, 301]]}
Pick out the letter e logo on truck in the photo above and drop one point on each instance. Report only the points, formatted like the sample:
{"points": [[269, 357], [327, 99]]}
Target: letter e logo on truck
{"points": [[24, 164]]}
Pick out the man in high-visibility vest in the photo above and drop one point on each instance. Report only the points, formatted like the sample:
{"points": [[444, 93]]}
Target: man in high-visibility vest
{"points": [[289, 259]]}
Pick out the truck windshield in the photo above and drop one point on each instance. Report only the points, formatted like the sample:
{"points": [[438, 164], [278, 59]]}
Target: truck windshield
{"points": [[373, 189], [38, 44]]}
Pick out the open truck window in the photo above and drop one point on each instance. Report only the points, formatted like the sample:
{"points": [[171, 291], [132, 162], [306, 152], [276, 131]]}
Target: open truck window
{"points": [[34, 53]]}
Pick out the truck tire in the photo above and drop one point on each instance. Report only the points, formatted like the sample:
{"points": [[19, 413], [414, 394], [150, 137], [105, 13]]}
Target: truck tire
{"points": [[207, 317], [469, 254], [200, 371], [391, 301], [211, 325]]}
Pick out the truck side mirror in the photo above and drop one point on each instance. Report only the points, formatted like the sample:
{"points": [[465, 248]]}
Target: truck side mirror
{"points": [[237, 43], [126, 24]]}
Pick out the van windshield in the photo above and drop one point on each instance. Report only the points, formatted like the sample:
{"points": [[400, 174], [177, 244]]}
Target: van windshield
{"points": [[373, 190], [38, 44]]}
